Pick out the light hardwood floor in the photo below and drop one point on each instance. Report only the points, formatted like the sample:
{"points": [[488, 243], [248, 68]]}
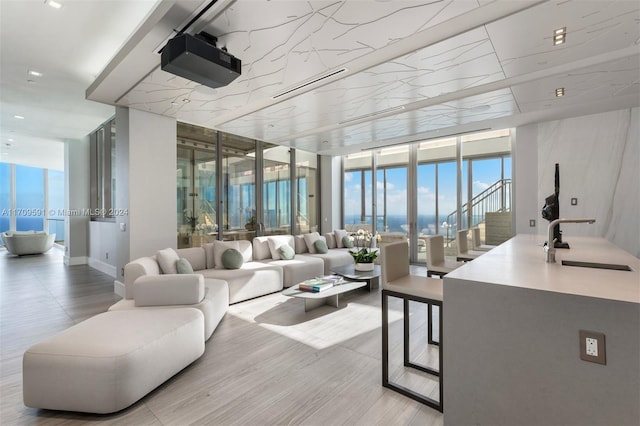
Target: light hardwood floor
{"points": [[268, 361]]}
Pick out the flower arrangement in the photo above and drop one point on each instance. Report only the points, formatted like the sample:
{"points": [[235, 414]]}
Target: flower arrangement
{"points": [[364, 255]]}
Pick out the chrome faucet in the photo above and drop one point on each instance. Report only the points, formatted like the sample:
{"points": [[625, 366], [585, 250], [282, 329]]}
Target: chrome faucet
{"points": [[551, 249]]}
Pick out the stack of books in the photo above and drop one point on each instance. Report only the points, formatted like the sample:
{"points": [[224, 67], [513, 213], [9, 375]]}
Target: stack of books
{"points": [[319, 284]]}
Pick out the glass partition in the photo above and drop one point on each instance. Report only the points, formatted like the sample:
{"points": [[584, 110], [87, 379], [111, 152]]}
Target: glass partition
{"points": [[307, 186], [276, 192], [238, 187]]}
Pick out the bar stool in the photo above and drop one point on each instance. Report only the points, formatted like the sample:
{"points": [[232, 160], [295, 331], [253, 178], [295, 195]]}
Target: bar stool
{"points": [[398, 282]]}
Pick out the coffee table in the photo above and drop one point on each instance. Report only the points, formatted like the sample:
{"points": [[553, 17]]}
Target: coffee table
{"points": [[372, 278], [327, 297]]}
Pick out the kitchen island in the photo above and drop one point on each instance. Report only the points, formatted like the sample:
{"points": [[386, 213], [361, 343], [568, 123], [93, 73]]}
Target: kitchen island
{"points": [[511, 336]]}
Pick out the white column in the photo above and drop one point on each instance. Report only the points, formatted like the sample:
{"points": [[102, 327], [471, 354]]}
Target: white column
{"points": [[76, 197], [146, 156]]}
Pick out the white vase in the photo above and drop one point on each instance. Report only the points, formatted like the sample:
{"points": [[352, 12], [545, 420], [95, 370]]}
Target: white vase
{"points": [[364, 266]]}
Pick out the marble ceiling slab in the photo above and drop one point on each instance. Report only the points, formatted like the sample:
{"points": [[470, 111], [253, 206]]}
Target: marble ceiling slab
{"points": [[591, 84], [458, 63], [491, 105], [524, 41], [282, 43]]}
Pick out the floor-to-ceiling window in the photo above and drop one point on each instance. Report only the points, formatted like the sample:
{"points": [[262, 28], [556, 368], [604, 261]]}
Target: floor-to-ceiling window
{"points": [[32, 199], [391, 189], [5, 196], [357, 192], [30, 203], [457, 181]]}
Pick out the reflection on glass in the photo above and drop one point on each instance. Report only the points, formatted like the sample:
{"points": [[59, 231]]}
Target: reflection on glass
{"points": [[306, 180], [276, 194], [238, 187]]}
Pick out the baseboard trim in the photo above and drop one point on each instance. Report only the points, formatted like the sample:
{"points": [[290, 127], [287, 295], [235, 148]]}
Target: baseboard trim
{"points": [[103, 267], [73, 261], [118, 288]]}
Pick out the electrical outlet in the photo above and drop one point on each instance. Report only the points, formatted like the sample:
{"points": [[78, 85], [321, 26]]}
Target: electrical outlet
{"points": [[574, 201], [106, 255], [592, 347]]}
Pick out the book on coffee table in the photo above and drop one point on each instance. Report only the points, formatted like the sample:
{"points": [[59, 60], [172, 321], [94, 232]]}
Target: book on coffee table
{"points": [[315, 285]]}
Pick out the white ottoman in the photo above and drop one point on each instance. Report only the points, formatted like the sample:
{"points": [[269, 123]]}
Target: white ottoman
{"points": [[110, 361]]}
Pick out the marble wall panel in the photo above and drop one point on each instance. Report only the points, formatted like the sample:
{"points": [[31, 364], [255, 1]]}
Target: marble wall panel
{"points": [[599, 157]]}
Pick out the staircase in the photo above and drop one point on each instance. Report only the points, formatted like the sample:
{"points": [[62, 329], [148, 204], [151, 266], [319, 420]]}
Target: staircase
{"points": [[495, 199]]}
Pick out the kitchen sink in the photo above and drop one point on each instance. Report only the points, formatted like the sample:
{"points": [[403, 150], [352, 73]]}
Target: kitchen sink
{"points": [[613, 266]]}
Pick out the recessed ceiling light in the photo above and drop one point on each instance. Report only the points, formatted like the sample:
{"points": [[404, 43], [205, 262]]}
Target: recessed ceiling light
{"points": [[54, 4], [19, 117], [35, 73], [10, 140], [560, 91], [186, 101], [559, 36]]}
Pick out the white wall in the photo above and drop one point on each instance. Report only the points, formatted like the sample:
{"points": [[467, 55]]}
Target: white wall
{"points": [[598, 156], [102, 246]]}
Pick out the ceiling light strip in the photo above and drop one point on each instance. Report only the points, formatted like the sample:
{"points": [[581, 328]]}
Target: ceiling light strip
{"points": [[308, 83], [373, 114]]}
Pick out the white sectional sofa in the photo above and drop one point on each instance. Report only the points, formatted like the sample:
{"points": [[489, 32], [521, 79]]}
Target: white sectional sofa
{"points": [[296, 270], [187, 290], [334, 257]]}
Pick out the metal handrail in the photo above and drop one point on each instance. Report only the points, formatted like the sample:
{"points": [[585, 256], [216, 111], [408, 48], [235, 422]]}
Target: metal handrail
{"points": [[496, 198]]}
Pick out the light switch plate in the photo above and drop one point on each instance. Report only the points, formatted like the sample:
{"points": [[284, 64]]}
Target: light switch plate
{"points": [[532, 223], [592, 347], [574, 201]]}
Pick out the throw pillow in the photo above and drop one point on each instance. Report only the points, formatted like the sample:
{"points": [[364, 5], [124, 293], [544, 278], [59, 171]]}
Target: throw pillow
{"points": [[232, 259], [346, 242], [167, 259], [331, 240], [286, 252], [219, 247], [183, 266], [275, 243], [309, 239], [321, 246], [340, 234]]}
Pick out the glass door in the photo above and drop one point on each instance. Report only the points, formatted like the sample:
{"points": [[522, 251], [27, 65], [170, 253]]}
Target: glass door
{"points": [[238, 188]]}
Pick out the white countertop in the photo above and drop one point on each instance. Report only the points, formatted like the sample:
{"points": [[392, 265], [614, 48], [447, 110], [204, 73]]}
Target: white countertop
{"points": [[520, 262]]}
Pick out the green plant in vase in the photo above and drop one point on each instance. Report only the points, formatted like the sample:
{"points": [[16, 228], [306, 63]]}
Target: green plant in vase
{"points": [[364, 258]]}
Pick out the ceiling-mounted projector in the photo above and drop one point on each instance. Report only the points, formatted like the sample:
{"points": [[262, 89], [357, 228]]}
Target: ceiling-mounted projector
{"points": [[198, 59]]}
